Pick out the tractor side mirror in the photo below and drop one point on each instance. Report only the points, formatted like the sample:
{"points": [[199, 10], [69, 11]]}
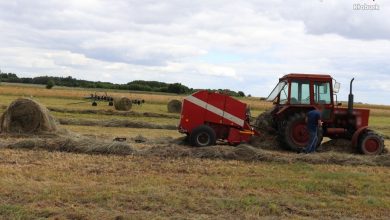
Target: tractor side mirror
{"points": [[336, 87]]}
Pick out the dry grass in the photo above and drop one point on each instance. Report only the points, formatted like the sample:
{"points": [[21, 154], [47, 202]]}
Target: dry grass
{"points": [[78, 93], [112, 132], [72, 93], [115, 123], [37, 184]]}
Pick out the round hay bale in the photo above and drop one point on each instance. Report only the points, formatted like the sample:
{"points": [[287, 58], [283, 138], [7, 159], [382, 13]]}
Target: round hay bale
{"points": [[174, 106], [122, 104], [27, 116]]}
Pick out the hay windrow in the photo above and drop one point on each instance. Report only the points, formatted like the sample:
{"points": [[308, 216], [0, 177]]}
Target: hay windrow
{"points": [[174, 106], [171, 148], [112, 112], [114, 123], [74, 143], [246, 152], [265, 141], [27, 116], [337, 145], [122, 104]]}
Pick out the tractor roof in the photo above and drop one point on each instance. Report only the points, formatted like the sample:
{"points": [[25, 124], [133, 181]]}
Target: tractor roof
{"points": [[306, 76]]}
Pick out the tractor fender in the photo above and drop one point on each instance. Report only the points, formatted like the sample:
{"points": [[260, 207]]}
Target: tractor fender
{"points": [[356, 135]]}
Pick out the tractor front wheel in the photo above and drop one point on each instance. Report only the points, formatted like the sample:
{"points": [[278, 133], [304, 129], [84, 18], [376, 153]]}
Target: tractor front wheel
{"points": [[371, 143], [202, 136]]}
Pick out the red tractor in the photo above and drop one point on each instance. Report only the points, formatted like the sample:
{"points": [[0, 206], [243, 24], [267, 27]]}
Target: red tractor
{"points": [[296, 94], [209, 116]]}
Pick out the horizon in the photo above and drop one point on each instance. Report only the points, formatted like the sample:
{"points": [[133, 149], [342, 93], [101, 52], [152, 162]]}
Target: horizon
{"points": [[241, 46], [138, 91]]}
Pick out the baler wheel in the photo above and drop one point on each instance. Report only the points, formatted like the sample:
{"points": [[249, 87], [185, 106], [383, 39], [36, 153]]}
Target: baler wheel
{"points": [[202, 136], [371, 143], [294, 135]]}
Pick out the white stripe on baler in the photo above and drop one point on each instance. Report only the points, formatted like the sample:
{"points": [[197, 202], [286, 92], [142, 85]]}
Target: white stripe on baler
{"points": [[215, 110]]}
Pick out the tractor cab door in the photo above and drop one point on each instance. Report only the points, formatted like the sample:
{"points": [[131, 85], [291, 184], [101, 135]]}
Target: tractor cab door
{"points": [[300, 92], [322, 95]]}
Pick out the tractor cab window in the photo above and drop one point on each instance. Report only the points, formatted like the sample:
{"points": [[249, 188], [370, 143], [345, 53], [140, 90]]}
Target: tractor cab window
{"points": [[275, 92], [322, 93], [300, 92], [283, 98]]}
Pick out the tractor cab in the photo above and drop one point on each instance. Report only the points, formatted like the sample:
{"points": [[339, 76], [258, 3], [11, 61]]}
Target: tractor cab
{"points": [[296, 94], [303, 90]]}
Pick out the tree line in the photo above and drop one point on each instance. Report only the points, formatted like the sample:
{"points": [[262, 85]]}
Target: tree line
{"points": [[136, 85]]}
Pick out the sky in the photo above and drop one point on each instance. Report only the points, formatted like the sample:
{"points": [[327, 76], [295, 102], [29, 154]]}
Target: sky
{"points": [[240, 45]]}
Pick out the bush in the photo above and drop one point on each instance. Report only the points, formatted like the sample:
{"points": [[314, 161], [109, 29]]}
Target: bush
{"points": [[241, 94], [49, 84]]}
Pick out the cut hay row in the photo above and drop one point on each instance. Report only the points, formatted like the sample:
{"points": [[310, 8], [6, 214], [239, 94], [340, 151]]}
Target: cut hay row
{"points": [[246, 152], [173, 149], [114, 123], [72, 143], [112, 112]]}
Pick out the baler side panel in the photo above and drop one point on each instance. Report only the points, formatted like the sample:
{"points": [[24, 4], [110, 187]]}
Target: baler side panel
{"points": [[215, 106], [236, 112], [225, 115], [193, 115]]}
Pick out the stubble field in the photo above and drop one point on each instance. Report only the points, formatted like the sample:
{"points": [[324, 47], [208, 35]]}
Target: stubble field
{"points": [[37, 184]]}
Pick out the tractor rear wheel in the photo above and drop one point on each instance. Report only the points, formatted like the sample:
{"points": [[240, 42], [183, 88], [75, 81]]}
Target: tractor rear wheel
{"points": [[202, 136], [371, 143], [294, 134]]}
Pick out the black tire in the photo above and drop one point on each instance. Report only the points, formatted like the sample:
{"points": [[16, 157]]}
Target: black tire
{"points": [[297, 139], [202, 136], [371, 143], [264, 121]]}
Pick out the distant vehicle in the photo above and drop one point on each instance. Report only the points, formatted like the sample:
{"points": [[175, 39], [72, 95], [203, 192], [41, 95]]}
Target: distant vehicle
{"points": [[103, 98], [106, 98]]}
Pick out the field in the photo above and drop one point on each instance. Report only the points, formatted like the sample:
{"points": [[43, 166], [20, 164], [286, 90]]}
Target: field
{"points": [[39, 184]]}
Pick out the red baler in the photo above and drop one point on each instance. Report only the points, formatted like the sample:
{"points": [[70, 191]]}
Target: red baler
{"points": [[209, 116]]}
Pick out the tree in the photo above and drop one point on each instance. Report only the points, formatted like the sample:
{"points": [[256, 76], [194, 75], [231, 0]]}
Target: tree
{"points": [[49, 84], [241, 94], [177, 88]]}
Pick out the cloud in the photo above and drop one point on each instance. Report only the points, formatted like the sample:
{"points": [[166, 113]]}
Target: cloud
{"points": [[243, 45]]}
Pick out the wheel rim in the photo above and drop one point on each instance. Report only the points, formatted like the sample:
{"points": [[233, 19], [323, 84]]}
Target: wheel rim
{"points": [[299, 134], [371, 145], [203, 139]]}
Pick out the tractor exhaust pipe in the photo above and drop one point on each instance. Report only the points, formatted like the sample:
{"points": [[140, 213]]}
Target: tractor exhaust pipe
{"points": [[350, 98]]}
